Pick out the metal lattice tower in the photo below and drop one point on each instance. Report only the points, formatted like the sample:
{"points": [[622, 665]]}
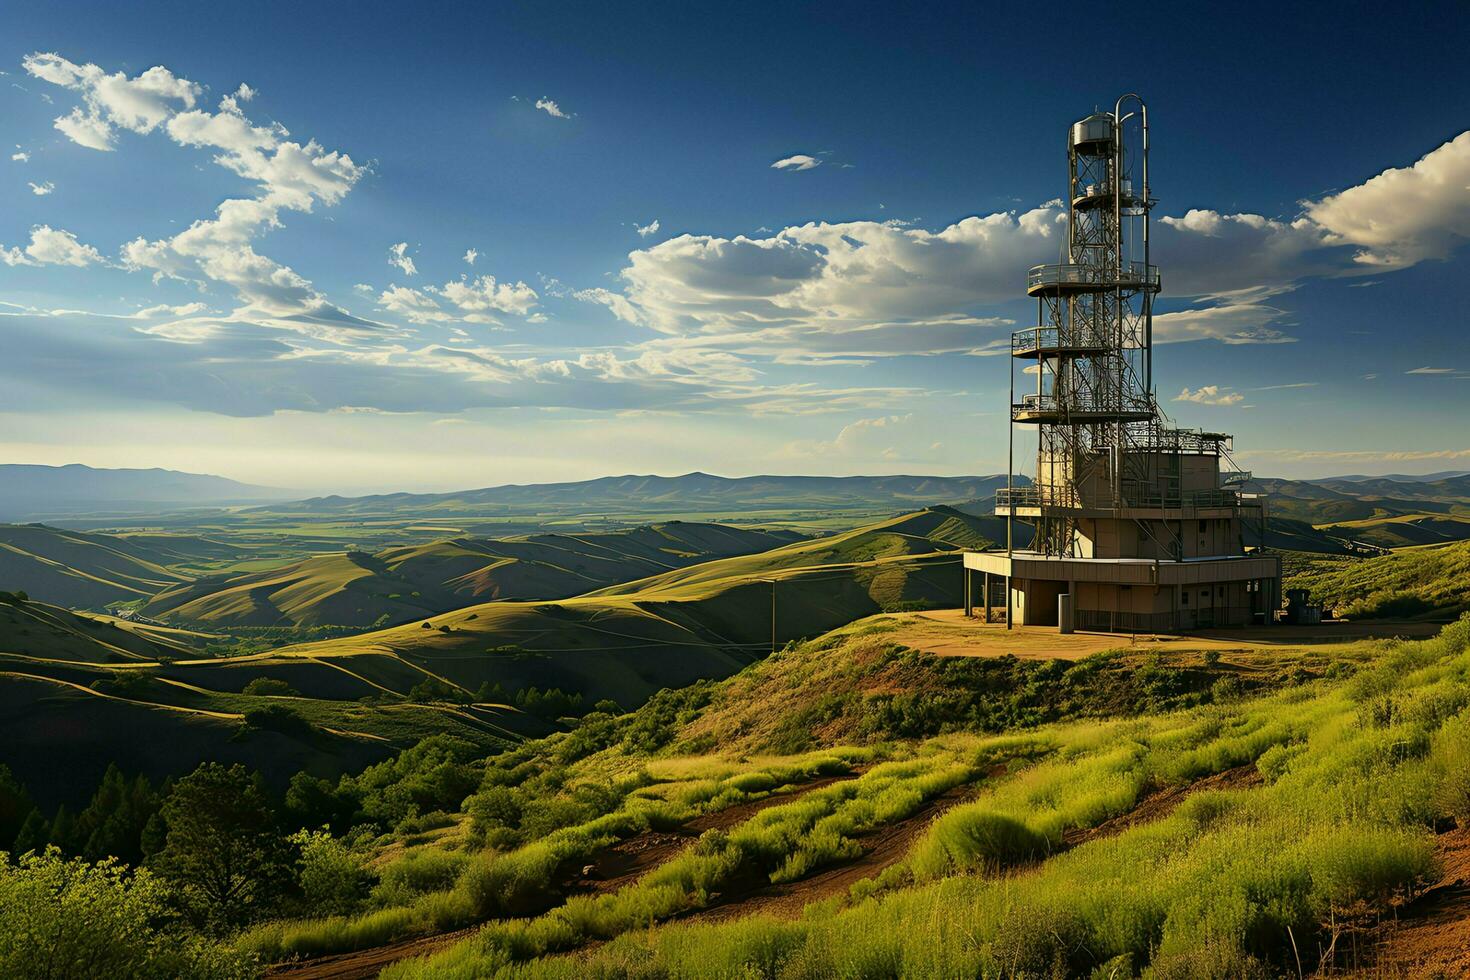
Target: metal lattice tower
{"points": [[1093, 403]]}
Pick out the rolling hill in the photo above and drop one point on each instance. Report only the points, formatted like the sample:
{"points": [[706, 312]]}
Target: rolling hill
{"points": [[406, 583], [86, 570], [668, 630], [1432, 581]]}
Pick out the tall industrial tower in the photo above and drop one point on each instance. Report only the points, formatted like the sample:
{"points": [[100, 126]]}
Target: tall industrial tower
{"points": [[1134, 523]]}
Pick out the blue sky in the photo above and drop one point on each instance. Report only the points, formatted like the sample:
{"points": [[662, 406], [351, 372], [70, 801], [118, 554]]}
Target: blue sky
{"points": [[202, 276]]}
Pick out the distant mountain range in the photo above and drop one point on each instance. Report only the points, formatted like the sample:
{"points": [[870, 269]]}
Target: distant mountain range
{"points": [[692, 492], [30, 492]]}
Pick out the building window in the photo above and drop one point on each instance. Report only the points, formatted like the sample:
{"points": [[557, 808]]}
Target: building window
{"points": [[1184, 598], [1203, 525]]}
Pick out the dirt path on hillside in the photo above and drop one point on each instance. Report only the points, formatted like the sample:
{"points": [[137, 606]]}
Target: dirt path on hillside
{"points": [[1162, 802], [882, 848], [613, 867], [1431, 934]]}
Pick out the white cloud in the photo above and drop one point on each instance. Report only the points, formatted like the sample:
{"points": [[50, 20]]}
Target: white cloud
{"points": [[1431, 370], [20, 156], [645, 230], [42, 189], [798, 161], [290, 176], [112, 101], [411, 303], [186, 309], [470, 255], [1210, 395], [551, 108], [363, 288], [49, 246], [484, 294], [398, 256], [617, 302], [1405, 214]]}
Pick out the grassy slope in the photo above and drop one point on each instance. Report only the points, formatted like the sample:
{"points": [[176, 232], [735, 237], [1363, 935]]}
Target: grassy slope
{"points": [[79, 691], [405, 583], [1436, 578], [1404, 530], [1341, 784], [41, 630], [708, 620], [81, 569]]}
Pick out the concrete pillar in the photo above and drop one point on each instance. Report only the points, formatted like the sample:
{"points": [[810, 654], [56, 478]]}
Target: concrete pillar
{"points": [[969, 595], [1064, 613], [985, 584]]}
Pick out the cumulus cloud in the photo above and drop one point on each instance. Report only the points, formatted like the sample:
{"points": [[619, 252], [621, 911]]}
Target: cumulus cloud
{"points": [[1210, 395], [551, 108], [470, 255], [42, 189], [649, 229], [51, 246], [411, 303], [398, 256], [484, 294], [797, 161], [20, 156], [825, 279], [290, 176], [112, 101], [1405, 214]]}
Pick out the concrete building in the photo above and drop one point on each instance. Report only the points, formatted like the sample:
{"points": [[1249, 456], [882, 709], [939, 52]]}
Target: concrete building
{"points": [[1137, 525]]}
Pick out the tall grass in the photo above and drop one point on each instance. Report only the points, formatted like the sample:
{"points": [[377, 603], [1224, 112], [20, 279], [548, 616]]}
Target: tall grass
{"points": [[1235, 883], [520, 882]]}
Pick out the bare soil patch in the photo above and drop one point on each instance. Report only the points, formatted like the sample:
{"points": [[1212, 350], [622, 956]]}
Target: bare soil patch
{"points": [[1430, 936]]}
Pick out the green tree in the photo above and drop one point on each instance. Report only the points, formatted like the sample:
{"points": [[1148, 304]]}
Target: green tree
{"points": [[223, 849], [332, 877], [70, 918], [15, 806]]}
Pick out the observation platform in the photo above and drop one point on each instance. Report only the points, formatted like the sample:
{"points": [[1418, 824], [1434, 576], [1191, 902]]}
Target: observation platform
{"points": [[1036, 343], [1035, 502], [1067, 279], [1049, 410]]}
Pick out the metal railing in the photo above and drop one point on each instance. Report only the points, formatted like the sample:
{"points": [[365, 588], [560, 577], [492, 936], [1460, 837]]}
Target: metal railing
{"points": [[1038, 496], [1081, 407], [1133, 276], [1034, 339]]}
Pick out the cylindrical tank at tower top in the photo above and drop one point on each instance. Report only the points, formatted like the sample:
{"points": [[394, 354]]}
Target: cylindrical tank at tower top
{"points": [[1094, 134]]}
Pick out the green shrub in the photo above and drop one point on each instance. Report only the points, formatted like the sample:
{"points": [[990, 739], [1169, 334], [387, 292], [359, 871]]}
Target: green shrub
{"points": [[332, 878], [266, 687], [61, 918]]}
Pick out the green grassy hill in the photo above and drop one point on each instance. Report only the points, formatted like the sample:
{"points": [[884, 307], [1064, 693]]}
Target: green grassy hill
{"points": [[406, 583], [671, 629], [38, 629], [1431, 581], [84, 569]]}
